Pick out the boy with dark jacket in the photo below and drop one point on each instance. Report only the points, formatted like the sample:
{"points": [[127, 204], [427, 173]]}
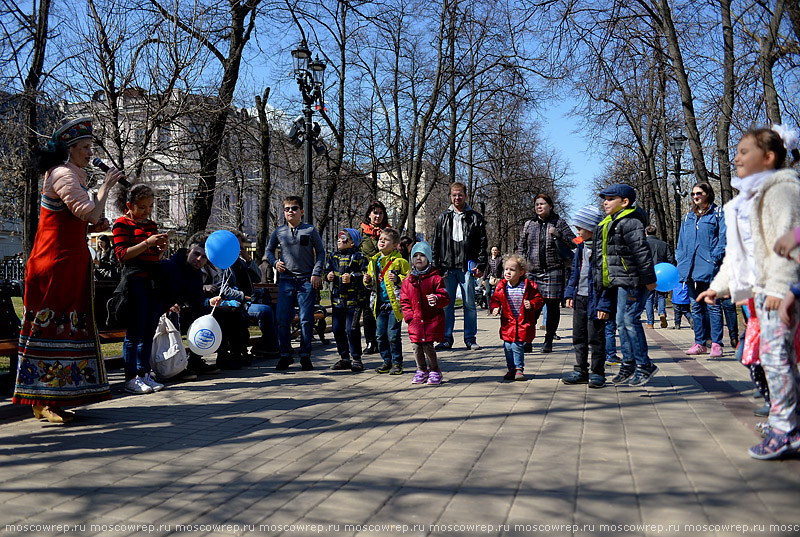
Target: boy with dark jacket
{"points": [[345, 270], [591, 307], [623, 266]]}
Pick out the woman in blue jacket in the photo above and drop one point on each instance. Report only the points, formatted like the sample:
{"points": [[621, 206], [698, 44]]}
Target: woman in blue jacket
{"points": [[701, 247]]}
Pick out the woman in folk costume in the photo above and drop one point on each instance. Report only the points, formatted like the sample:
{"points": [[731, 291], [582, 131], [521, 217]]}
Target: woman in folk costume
{"points": [[60, 363]]}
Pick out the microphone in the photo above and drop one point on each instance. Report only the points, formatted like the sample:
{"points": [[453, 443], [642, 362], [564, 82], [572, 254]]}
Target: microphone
{"points": [[104, 167]]}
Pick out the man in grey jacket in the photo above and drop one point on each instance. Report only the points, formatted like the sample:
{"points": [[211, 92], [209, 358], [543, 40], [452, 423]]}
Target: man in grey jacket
{"points": [[300, 268]]}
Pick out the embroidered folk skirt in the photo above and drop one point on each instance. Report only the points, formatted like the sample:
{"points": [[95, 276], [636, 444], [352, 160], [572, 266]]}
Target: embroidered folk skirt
{"points": [[60, 362]]}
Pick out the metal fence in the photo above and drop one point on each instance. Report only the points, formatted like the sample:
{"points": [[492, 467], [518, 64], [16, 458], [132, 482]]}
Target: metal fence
{"points": [[11, 268]]}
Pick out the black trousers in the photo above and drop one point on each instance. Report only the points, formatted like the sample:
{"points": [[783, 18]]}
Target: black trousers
{"points": [[587, 333]]}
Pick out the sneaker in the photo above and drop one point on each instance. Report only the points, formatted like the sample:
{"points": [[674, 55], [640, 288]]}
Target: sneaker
{"points": [[596, 381], [663, 319], [150, 381], [421, 377], [385, 368], [198, 366], [397, 369], [762, 412], [137, 386], [676, 326], [444, 346], [575, 377], [342, 365], [519, 375], [372, 348], [435, 378], [696, 349], [357, 365], [716, 351], [648, 326], [624, 375], [510, 375], [473, 346], [643, 375], [613, 360], [284, 363], [775, 445]]}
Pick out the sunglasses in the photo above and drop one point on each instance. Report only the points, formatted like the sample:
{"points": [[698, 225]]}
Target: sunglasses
{"points": [[291, 208], [698, 194]]}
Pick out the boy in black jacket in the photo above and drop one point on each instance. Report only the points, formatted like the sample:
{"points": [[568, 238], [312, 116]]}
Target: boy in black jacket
{"points": [[623, 263]]}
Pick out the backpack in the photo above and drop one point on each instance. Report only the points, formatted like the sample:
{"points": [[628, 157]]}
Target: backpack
{"points": [[168, 355]]}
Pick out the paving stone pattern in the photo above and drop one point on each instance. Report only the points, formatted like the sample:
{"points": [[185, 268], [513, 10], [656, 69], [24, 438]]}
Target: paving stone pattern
{"points": [[261, 452]]}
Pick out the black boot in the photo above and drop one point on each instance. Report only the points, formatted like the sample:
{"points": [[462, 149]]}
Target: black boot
{"points": [[548, 344]]}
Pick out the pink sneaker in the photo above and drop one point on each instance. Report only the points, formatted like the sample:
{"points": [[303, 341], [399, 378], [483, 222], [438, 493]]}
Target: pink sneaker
{"points": [[716, 351], [697, 349]]}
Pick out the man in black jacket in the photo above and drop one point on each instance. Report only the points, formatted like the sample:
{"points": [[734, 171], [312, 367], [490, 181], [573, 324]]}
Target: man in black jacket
{"points": [[661, 254], [185, 292], [459, 252]]}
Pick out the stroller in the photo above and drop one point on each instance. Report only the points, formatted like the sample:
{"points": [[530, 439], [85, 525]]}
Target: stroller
{"points": [[481, 299]]}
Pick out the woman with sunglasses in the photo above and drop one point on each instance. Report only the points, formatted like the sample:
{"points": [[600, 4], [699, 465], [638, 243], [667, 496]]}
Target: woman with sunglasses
{"points": [[701, 247]]}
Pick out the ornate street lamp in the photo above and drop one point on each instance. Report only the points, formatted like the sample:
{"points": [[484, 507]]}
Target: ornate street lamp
{"points": [[676, 145], [310, 76]]}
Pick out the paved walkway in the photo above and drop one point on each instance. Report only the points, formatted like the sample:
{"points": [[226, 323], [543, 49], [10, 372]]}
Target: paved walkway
{"points": [[260, 452]]}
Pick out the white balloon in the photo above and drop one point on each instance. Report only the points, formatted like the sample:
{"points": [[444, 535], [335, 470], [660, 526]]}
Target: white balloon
{"points": [[204, 336]]}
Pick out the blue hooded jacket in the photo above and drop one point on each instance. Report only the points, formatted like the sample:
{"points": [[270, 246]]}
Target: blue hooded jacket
{"points": [[701, 245]]}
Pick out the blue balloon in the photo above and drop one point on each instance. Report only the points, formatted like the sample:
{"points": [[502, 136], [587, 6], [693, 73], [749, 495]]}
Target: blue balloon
{"points": [[667, 277], [222, 248]]}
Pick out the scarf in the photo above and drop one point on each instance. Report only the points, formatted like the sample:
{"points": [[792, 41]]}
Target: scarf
{"points": [[368, 229], [419, 273]]}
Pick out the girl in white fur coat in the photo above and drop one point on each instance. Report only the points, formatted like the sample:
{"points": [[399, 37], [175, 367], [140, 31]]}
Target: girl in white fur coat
{"points": [[768, 205]]}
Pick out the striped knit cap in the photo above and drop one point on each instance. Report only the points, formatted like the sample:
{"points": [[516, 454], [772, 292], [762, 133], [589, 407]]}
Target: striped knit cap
{"points": [[588, 217]]}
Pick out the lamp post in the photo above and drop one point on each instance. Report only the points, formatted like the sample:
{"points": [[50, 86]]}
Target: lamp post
{"points": [[310, 76], [676, 144]]}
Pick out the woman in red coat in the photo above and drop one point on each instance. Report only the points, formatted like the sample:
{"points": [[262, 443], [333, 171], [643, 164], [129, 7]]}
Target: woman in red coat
{"points": [[518, 300], [423, 298]]}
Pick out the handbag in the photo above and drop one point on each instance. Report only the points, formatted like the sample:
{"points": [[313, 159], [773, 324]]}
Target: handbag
{"points": [[168, 355], [752, 337], [564, 252]]}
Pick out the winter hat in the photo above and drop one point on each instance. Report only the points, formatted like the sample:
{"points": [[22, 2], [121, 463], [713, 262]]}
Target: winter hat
{"points": [[423, 248], [355, 235], [588, 217]]}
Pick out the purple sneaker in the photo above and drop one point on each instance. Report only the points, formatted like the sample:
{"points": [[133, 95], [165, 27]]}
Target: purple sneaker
{"points": [[420, 378], [775, 445], [434, 378]]}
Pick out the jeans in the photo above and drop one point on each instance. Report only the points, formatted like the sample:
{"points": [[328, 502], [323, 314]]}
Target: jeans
{"points": [[388, 331], [266, 322], [682, 310], [707, 317], [346, 331], [515, 355], [466, 281], [142, 323], [611, 338], [630, 303], [587, 333], [777, 354], [731, 321], [650, 302], [292, 292]]}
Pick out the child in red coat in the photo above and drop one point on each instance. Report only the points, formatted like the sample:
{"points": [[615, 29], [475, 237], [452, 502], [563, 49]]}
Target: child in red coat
{"points": [[518, 300], [423, 298]]}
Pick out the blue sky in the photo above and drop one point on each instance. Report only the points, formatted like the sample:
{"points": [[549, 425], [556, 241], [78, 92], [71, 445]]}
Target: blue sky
{"points": [[562, 131]]}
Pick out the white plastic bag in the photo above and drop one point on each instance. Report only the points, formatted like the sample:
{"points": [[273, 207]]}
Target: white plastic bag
{"points": [[168, 357]]}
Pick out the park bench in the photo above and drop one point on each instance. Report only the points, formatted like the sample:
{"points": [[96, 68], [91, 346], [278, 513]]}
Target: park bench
{"points": [[320, 314]]}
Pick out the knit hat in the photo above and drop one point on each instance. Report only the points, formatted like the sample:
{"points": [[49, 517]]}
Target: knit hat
{"points": [[587, 217], [423, 248], [355, 235], [71, 133], [622, 190]]}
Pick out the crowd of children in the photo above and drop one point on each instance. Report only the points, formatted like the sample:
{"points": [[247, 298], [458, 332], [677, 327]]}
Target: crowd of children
{"points": [[612, 274]]}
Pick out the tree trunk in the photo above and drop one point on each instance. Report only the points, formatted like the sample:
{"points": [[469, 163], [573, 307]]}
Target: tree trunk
{"points": [[726, 113], [687, 100], [30, 210], [766, 61], [265, 190]]}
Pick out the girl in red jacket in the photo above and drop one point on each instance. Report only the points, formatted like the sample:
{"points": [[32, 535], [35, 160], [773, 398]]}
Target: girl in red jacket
{"points": [[423, 298], [518, 300]]}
